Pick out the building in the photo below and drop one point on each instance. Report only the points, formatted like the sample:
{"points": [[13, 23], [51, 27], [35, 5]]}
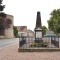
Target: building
{"points": [[30, 33], [8, 31], [6, 23], [23, 31], [49, 34]]}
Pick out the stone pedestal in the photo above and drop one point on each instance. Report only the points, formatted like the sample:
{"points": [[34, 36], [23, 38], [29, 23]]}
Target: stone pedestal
{"points": [[38, 35]]}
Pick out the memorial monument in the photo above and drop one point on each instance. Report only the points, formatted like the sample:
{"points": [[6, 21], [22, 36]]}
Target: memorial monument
{"points": [[38, 30]]}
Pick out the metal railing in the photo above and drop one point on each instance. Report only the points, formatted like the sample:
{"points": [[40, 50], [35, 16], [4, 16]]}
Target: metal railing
{"points": [[55, 41], [30, 42]]}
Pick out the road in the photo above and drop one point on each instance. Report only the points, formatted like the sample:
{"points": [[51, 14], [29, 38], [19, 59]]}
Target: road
{"points": [[4, 42], [10, 52]]}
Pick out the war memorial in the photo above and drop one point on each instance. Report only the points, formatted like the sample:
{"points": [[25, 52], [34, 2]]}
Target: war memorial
{"points": [[31, 41], [39, 43]]}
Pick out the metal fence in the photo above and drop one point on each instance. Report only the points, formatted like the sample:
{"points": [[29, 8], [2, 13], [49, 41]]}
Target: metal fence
{"points": [[24, 42], [52, 40], [55, 41], [27, 42]]}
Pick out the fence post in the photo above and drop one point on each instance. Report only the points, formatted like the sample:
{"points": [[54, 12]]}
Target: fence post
{"points": [[59, 41], [19, 41]]}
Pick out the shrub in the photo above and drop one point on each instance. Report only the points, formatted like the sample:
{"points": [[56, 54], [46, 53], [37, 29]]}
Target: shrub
{"points": [[44, 44], [15, 32], [33, 45]]}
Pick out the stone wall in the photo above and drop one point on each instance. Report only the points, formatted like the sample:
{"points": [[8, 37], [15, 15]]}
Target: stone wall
{"points": [[9, 31]]}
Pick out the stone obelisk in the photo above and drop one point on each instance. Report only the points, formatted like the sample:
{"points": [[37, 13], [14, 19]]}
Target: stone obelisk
{"points": [[38, 30]]}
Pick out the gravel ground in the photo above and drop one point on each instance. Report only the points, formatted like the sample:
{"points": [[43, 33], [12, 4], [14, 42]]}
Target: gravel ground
{"points": [[10, 52]]}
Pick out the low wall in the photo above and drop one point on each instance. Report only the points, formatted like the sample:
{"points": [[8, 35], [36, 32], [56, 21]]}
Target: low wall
{"points": [[39, 50], [2, 37]]}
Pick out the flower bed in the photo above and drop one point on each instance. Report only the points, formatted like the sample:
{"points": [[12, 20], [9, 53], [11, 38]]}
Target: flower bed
{"points": [[43, 44]]}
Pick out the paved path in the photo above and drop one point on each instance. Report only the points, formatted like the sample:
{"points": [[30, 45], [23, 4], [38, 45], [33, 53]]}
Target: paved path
{"points": [[4, 42], [10, 52]]}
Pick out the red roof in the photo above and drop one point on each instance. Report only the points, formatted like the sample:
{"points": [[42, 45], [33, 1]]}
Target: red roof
{"points": [[22, 28]]}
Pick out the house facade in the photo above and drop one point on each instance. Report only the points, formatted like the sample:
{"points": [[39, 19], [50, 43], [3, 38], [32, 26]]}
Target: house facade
{"points": [[23, 31]]}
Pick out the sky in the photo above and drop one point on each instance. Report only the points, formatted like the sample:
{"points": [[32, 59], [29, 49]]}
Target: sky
{"points": [[25, 11]]}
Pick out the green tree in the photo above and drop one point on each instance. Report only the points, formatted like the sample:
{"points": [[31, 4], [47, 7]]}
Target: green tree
{"points": [[15, 31], [54, 21], [44, 30]]}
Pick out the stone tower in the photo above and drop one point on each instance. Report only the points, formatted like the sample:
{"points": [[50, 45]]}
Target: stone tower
{"points": [[6, 23]]}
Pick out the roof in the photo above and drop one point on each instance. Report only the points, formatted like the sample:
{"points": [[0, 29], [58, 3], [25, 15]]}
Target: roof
{"points": [[49, 35], [21, 28], [30, 31]]}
